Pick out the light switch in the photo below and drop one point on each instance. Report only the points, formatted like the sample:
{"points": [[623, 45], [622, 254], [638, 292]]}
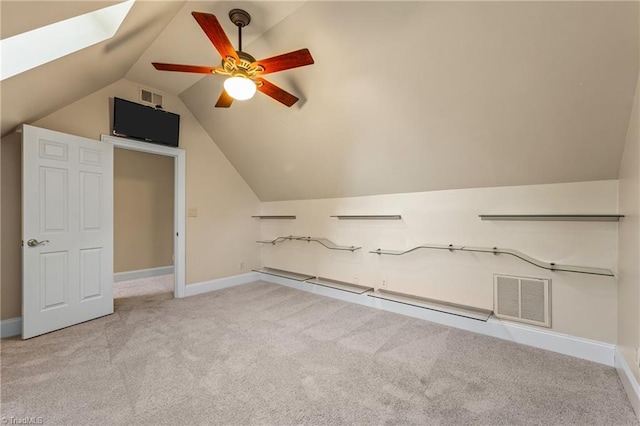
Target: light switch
{"points": [[192, 212]]}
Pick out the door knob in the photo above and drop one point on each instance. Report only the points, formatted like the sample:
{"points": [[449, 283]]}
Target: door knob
{"points": [[34, 243]]}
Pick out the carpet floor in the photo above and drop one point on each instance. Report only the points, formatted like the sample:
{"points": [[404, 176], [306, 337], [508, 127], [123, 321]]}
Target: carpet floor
{"points": [[261, 353], [143, 286]]}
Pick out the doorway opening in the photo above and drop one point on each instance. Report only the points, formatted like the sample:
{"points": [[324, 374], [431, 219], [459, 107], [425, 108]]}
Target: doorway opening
{"points": [[142, 224], [155, 247]]}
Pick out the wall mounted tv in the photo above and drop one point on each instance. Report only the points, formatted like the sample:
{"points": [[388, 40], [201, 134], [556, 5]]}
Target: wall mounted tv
{"points": [[145, 123]]}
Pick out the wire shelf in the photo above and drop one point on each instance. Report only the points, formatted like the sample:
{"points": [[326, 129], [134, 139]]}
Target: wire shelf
{"points": [[325, 242], [495, 250]]}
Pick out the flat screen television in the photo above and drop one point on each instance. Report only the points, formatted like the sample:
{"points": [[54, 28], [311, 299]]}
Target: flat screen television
{"points": [[145, 123]]}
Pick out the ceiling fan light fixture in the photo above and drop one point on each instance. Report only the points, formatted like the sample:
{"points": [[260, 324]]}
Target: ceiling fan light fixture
{"points": [[240, 88], [243, 71]]}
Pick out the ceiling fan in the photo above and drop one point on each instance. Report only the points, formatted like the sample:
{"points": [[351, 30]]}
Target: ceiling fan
{"points": [[245, 73]]}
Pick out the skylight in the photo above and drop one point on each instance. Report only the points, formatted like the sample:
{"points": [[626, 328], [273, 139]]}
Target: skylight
{"points": [[33, 48]]}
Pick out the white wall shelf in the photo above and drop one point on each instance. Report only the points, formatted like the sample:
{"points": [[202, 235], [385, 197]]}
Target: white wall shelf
{"points": [[554, 217], [325, 242], [435, 305], [274, 217], [495, 250], [325, 282], [402, 298], [368, 217], [340, 285], [284, 274]]}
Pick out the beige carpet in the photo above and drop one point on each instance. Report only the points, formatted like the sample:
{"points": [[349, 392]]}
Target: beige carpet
{"points": [[265, 354], [144, 286]]}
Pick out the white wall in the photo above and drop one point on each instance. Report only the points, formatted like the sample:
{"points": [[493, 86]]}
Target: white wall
{"points": [[583, 305], [629, 243]]}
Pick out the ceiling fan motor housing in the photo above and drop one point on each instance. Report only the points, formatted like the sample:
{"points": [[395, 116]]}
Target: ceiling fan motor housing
{"points": [[239, 17], [245, 64], [244, 56]]}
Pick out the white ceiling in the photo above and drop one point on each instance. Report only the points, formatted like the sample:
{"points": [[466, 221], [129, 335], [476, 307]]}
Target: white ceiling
{"points": [[404, 96]]}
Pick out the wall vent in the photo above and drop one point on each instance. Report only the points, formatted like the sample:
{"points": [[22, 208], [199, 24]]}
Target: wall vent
{"points": [[522, 299], [150, 98]]}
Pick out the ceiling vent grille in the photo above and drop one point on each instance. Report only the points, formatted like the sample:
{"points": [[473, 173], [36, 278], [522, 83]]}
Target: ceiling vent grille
{"points": [[150, 98], [521, 299]]}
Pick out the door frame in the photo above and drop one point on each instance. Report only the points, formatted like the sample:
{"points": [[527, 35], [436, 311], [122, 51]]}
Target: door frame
{"points": [[179, 200]]}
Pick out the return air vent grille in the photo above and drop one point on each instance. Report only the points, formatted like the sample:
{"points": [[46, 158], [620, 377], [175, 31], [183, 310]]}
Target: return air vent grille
{"points": [[521, 299], [149, 97]]}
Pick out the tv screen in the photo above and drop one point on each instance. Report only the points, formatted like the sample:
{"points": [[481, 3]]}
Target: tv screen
{"points": [[145, 123]]}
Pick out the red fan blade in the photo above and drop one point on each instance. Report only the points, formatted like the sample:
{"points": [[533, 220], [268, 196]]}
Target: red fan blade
{"points": [[296, 59], [276, 93], [184, 68], [212, 28], [224, 101]]}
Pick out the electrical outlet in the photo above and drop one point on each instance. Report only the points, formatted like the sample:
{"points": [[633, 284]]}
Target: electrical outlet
{"points": [[356, 280], [192, 212], [384, 284], [241, 266]]}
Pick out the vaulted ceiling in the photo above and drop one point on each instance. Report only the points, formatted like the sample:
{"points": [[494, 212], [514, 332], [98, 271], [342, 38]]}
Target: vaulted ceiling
{"points": [[42, 90], [404, 96]]}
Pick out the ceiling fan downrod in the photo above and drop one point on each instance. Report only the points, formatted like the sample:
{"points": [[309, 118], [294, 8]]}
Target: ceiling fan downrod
{"points": [[240, 19]]}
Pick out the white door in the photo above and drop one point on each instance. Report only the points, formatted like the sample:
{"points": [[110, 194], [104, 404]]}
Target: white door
{"points": [[67, 230]]}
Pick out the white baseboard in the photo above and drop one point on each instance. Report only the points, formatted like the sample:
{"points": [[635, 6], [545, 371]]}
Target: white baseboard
{"points": [[602, 353], [629, 382], [220, 283], [11, 327], [142, 273]]}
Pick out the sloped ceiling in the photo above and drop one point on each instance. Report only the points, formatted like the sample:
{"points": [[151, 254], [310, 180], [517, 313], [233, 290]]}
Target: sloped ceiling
{"points": [[183, 41], [42, 90], [38, 14], [421, 96], [404, 96]]}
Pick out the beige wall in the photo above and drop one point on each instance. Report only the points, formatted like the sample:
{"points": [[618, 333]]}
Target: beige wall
{"points": [[143, 210], [10, 229], [629, 243], [218, 239], [582, 305], [223, 234], [504, 93]]}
